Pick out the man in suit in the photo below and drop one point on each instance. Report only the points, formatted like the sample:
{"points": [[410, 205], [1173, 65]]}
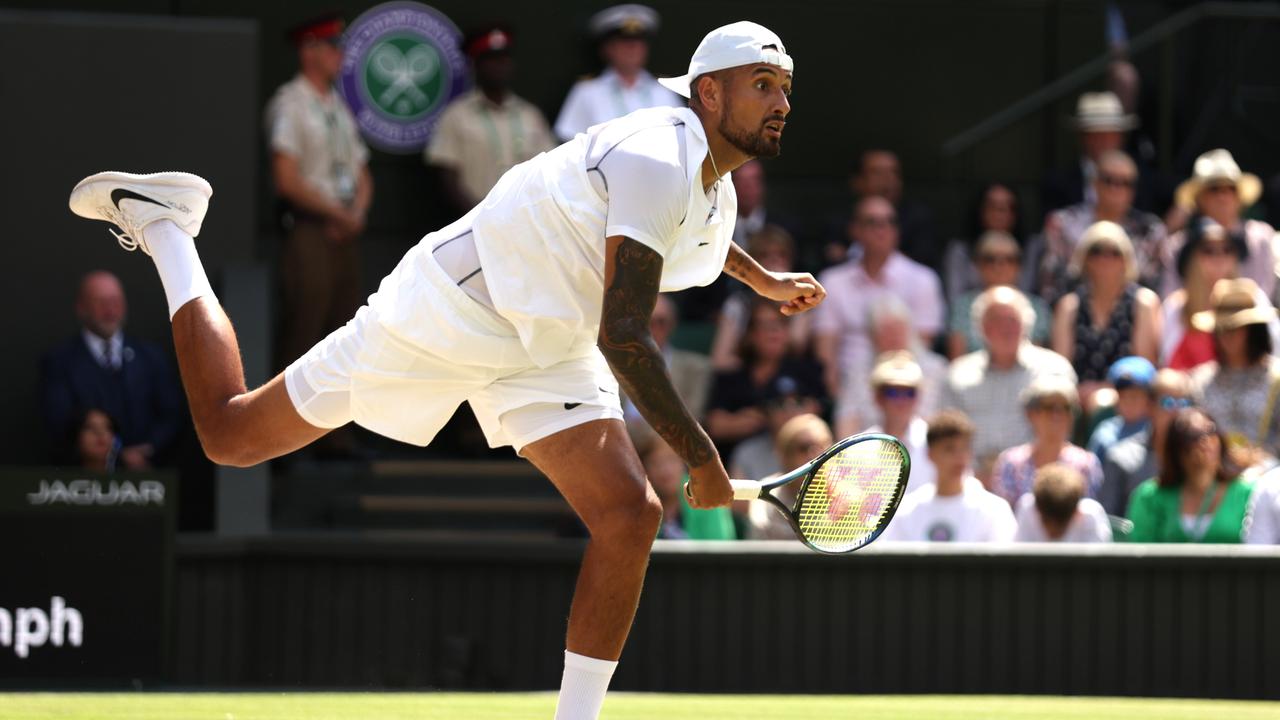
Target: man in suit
{"points": [[100, 367]]}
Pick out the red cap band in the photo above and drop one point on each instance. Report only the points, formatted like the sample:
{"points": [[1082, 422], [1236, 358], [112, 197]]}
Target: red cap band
{"points": [[322, 30], [496, 40]]}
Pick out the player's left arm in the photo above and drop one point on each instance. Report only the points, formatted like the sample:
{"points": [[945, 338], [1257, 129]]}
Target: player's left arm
{"points": [[797, 292]]}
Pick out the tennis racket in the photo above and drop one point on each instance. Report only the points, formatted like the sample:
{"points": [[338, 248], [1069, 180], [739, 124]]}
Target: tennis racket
{"points": [[847, 495]]}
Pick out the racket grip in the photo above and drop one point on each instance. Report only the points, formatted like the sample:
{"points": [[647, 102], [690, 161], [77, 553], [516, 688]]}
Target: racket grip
{"points": [[745, 489]]}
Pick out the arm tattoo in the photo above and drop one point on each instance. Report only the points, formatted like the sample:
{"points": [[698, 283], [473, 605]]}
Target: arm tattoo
{"points": [[742, 266], [631, 289]]}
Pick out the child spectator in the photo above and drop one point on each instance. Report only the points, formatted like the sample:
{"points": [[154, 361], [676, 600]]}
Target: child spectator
{"points": [[1056, 510], [956, 508]]}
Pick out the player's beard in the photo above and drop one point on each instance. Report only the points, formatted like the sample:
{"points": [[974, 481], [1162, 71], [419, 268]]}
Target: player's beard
{"points": [[755, 144]]}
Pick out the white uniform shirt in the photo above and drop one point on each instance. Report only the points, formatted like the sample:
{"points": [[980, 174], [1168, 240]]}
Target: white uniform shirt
{"points": [[540, 233], [319, 132], [1090, 524], [603, 98], [481, 139], [974, 515]]}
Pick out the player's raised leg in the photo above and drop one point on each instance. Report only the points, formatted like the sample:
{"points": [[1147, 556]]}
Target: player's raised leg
{"points": [[161, 214], [596, 469]]}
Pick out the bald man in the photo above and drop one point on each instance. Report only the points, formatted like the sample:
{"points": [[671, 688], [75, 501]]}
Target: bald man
{"points": [[102, 368]]}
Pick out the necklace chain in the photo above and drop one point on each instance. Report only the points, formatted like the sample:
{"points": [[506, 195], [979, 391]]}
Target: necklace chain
{"points": [[714, 169]]}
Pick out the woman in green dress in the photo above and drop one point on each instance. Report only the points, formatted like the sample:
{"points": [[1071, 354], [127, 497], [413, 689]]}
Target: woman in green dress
{"points": [[1199, 495]]}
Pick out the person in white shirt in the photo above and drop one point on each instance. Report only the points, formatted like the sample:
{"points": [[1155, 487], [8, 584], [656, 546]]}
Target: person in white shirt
{"points": [[1056, 510], [956, 508], [842, 339], [528, 308], [1262, 521], [895, 383], [623, 32]]}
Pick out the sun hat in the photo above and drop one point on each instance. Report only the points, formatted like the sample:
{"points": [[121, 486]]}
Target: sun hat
{"points": [[1213, 167], [1102, 112], [1235, 304]]}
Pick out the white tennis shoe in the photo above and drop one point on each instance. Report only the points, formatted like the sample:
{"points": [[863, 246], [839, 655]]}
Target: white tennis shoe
{"points": [[132, 202]]}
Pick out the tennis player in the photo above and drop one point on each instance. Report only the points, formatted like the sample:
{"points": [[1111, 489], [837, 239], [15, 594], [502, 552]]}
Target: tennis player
{"points": [[521, 308]]}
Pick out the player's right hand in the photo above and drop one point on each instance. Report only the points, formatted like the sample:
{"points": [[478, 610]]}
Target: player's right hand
{"points": [[708, 486]]}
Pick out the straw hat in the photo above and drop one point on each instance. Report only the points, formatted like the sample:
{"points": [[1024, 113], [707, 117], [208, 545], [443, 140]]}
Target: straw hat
{"points": [[1213, 167], [1102, 112], [1235, 304]]}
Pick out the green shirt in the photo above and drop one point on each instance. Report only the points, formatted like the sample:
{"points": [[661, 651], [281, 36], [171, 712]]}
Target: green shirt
{"points": [[1156, 513], [713, 524]]}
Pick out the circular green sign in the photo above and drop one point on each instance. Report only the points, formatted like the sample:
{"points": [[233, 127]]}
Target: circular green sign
{"points": [[402, 77]]}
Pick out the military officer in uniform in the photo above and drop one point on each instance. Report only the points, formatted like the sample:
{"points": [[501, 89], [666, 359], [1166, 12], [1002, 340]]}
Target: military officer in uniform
{"points": [[320, 169], [624, 86], [487, 130]]}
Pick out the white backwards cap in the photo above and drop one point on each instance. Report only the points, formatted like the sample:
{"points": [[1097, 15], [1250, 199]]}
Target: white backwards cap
{"points": [[733, 45]]}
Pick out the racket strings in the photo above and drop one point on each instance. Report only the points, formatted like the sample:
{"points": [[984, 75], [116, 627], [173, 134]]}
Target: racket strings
{"points": [[848, 496]]}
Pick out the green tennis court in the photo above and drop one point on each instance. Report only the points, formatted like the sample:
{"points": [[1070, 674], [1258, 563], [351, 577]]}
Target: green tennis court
{"points": [[620, 706]]}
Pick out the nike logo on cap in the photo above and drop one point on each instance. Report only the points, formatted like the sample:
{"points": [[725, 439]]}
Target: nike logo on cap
{"points": [[570, 406]]}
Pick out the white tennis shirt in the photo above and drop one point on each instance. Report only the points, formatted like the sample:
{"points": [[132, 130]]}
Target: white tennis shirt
{"points": [[540, 233]]}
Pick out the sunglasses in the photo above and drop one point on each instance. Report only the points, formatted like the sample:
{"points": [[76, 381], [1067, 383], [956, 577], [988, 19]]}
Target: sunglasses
{"points": [[878, 221], [1057, 408], [1117, 181], [1170, 402], [1224, 188], [1215, 250], [997, 258], [1104, 251], [898, 393]]}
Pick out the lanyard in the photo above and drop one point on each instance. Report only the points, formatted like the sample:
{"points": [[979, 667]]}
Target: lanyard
{"points": [[1200, 528], [495, 140], [340, 169]]}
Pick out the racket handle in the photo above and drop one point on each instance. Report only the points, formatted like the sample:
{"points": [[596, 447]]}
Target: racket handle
{"points": [[745, 489]]}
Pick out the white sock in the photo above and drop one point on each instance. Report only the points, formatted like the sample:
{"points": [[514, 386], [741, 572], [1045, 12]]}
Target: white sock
{"points": [[583, 687], [174, 253]]}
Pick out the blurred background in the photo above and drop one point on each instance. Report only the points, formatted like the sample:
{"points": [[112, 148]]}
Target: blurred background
{"points": [[943, 162]]}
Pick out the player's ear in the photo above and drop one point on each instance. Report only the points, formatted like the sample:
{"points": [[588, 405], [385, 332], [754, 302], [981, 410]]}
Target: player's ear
{"points": [[708, 91]]}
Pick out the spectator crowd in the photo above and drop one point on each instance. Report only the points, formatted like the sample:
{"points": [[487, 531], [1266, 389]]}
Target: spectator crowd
{"points": [[1105, 370]]}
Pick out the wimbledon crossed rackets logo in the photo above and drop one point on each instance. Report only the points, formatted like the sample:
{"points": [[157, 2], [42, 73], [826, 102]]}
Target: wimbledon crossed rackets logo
{"points": [[401, 66], [403, 76]]}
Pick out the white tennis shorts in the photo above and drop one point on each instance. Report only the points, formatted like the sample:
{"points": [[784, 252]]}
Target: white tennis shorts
{"points": [[369, 373]]}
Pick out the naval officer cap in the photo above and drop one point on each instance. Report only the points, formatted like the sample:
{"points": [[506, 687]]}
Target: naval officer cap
{"points": [[629, 20], [733, 45]]}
